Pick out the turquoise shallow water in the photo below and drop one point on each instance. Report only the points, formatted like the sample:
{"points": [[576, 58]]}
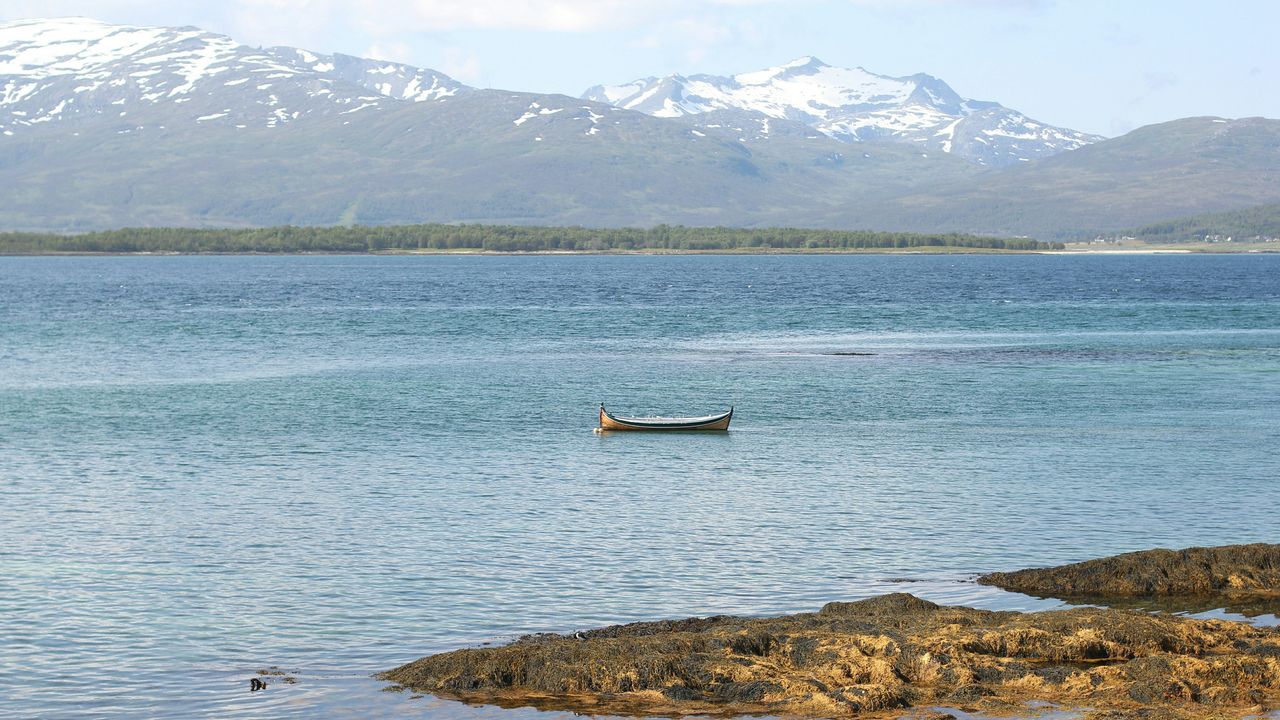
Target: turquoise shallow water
{"points": [[211, 465]]}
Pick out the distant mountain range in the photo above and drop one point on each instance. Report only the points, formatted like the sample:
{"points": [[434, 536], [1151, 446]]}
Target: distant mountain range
{"points": [[107, 126], [852, 106], [74, 70]]}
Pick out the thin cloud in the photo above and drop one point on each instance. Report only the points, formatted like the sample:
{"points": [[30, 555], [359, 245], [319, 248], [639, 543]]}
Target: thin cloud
{"points": [[18, 9], [696, 38], [461, 64], [124, 12], [384, 16], [908, 4], [539, 15], [302, 19], [392, 51], [1157, 81]]}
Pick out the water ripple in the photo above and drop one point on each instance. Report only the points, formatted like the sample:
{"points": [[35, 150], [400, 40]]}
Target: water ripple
{"points": [[212, 466]]}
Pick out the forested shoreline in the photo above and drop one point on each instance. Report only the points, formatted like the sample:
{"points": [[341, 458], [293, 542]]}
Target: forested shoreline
{"points": [[491, 238], [1260, 223]]}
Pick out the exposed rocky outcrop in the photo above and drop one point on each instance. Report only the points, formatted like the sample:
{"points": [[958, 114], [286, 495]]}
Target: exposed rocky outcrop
{"points": [[883, 654], [1231, 570]]}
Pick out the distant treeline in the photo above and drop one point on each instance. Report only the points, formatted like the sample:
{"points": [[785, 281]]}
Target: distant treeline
{"points": [[495, 238], [1260, 223]]}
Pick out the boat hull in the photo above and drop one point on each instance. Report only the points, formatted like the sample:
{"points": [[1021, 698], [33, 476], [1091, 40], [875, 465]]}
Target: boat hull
{"points": [[711, 422]]}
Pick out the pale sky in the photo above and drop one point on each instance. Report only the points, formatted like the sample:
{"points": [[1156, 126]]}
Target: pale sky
{"points": [[1103, 66]]}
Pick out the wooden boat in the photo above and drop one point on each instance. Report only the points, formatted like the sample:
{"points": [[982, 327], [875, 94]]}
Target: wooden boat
{"points": [[707, 422]]}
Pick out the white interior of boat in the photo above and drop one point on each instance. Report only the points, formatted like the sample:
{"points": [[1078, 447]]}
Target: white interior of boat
{"points": [[673, 420]]}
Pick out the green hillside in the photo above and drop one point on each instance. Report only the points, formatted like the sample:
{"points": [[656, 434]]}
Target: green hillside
{"points": [[1255, 224], [467, 161], [459, 161], [1156, 172]]}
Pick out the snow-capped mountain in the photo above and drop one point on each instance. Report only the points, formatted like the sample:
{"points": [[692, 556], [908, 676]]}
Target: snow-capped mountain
{"points": [[107, 126], [852, 105], [69, 69]]}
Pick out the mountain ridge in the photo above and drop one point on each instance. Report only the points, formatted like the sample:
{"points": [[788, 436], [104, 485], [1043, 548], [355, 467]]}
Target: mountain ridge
{"points": [[854, 105], [57, 69], [68, 69], [172, 127]]}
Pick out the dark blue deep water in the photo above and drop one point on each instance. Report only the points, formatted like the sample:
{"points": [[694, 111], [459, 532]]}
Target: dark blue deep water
{"points": [[211, 465]]}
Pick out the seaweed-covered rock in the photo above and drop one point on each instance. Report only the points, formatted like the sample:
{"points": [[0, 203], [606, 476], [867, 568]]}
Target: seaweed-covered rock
{"points": [[882, 654], [1231, 570]]}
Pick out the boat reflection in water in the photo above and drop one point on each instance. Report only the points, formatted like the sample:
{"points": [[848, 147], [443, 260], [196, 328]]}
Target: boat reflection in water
{"points": [[707, 422]]}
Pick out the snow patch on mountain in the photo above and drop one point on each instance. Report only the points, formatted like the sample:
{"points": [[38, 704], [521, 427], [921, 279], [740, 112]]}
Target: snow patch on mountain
{"points": [[853, 105], [75, 68], [71, 71]]}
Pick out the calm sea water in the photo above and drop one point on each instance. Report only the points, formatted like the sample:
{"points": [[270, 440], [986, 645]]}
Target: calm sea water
{"points": [[212, 465]]}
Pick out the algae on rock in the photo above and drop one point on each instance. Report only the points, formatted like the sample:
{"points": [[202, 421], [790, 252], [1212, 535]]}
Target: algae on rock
{"points": [[885, 653], [1233, 570]]}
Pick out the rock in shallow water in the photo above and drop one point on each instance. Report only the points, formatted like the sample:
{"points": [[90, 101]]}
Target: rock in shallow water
{"points": [[885, 653], [1226, 570]]}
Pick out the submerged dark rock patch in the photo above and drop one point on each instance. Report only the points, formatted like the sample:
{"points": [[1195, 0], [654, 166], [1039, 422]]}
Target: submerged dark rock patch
{"points": [[883, 654]]}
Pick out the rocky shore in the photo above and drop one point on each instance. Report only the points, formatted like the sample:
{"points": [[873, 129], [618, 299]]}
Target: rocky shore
{"points": [[1229, 570], [880, 656]]}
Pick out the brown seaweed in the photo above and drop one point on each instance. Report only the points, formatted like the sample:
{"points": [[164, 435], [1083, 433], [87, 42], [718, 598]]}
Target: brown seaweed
{"points": [[882, 655]]}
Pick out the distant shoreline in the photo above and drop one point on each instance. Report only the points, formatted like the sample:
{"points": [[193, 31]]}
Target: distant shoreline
{"points": [[504, 240], [452, 239], [736, 251]]}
